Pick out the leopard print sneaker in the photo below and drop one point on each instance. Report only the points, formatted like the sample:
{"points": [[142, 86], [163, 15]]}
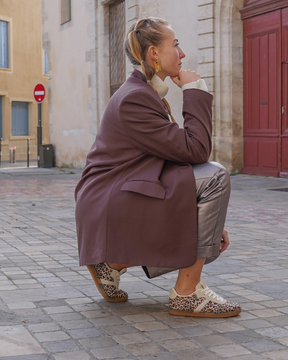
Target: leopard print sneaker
{"points": [[203, 302], [107, 282]]}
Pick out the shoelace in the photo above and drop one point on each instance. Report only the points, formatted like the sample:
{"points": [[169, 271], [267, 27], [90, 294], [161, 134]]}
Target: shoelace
{"points": [[117, 279], [212, 294]]}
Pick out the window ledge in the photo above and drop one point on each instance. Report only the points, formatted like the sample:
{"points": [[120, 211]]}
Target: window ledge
{"points": [[21, 137]]}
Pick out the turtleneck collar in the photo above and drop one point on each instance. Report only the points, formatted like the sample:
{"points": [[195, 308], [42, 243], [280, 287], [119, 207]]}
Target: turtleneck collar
{"points": [[158, 84]]}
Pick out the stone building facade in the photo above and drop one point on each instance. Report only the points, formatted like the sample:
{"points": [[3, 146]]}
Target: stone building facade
{"points": [[210, 33], [22, 66]]}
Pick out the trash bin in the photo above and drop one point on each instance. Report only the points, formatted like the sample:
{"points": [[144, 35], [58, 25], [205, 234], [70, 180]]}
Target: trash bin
{"points": [[12, 154], [46, 156]]}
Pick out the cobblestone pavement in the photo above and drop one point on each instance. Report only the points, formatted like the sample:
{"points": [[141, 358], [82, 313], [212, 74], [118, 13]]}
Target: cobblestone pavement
{"points": [[50, 308]]}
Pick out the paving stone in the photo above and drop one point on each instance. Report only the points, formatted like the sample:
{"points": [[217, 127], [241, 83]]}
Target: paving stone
{"points": [[94, 314], [110, 353], [77, 355], [230, 350], [277, 355], [283, 341], [21, 305], [112, 330], [159, 356], [267, 313], [224, 327], [22, 342], [28, 357], [51, 336], [99, 342], [150, 326], [213, 340], [260, 346], [194, 331], [139, 318], [179, 344], [198, 354], [164, 335], [58, 310], [133, 338], [34, 328], [248, 357], [143, 349], [61, 346], [107, 320], [255, 324], [85, 333], [274, 332], [242, 336]]}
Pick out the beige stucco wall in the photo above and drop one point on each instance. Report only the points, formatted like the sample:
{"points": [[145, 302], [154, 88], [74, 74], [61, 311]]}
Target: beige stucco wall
{"points": [[70, 94], [26, 69]]}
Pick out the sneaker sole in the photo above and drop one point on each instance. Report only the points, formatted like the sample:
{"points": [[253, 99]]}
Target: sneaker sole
{"points": [[97, 282], [203, 315]]}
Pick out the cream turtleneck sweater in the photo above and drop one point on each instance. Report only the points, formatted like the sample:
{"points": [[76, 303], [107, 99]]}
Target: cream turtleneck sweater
{"points": [[162, 88]]}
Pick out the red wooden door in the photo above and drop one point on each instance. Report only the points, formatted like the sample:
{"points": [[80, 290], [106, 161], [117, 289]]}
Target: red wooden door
{"points": [[262, 94], [284, 109]]}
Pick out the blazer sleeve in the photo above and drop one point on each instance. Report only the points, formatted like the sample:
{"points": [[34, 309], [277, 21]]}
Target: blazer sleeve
{"points": [[146, 122]]}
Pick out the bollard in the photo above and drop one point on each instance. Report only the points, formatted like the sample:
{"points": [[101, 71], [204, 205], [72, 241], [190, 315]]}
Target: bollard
{"points": [[28, 152], [12, 154]]}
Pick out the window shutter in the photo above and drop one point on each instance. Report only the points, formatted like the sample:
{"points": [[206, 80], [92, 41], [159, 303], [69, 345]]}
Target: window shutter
{"points": [[65, 11], [116, 45], [19, 118], [4, 63]]}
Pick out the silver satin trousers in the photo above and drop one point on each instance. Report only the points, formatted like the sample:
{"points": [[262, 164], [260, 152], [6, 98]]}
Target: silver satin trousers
{"points": [[213, 192]]}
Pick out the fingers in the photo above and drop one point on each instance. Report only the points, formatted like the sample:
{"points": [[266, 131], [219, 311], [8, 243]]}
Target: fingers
{"points": [[225, 241], [176, 80], [185, 77]]}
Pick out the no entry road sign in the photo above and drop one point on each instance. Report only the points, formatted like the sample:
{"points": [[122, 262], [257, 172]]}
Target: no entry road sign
{"points": [[39, 93]]}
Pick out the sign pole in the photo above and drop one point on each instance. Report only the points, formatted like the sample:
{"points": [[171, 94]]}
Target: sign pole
{"points": [[39, 96], [39, 132]]}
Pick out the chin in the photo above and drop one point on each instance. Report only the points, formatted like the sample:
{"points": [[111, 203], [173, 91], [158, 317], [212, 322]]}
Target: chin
{"points": [[175, 73]]}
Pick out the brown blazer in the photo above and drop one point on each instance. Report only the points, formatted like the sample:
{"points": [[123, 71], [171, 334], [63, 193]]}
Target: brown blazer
{"points": [[136, 201]]}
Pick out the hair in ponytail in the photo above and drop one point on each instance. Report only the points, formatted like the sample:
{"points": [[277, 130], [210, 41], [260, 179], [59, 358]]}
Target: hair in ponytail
{"points": [[141, 35]]}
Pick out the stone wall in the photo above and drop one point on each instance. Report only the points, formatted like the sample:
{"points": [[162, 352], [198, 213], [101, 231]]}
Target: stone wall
{"points": [[220, 63]]}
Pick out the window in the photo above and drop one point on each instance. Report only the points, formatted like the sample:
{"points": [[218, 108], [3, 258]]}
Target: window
{"points": [[45, 61], [0, 117], [19, 118], [4, 61], [65, 11], [116, 39]]}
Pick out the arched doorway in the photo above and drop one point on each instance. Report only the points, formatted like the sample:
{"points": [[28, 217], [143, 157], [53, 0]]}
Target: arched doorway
{"points": [[265, 50]]}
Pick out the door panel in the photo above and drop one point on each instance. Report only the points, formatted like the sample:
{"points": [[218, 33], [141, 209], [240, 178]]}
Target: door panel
{"points": [[284, 127], [262, 94]]}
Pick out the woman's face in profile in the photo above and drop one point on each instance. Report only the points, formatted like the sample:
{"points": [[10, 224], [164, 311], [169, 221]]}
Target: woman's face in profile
{"points": [[170, 54]]}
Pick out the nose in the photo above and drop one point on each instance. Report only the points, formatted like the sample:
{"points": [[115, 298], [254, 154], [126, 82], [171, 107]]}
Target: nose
{"points": [[181, 53]]}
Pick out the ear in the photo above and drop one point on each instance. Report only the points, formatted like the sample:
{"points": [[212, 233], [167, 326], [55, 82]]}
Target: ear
{"points": [[152, 53]]}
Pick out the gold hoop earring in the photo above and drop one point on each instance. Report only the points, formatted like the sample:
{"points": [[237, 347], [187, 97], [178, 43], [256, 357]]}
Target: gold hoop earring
{"points": [[157, 65]]}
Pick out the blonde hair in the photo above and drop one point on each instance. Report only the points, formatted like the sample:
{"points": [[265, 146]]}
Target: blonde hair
{"points": [[141, 35]]}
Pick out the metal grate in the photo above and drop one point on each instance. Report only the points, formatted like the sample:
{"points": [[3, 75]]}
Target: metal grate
{"points": [[282, 189], [116, 39]]}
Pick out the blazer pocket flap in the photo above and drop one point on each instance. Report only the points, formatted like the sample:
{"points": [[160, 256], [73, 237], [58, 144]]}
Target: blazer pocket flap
{"points": [[145, 188]]}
